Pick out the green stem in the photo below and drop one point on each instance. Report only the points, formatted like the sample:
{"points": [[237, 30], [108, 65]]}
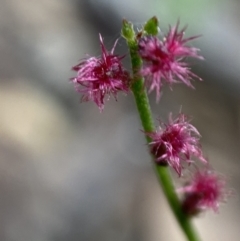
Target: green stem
{"points": [[144, 110]]}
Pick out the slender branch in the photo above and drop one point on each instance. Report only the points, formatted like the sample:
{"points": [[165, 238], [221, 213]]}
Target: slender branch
{"points": [[144, 110]]}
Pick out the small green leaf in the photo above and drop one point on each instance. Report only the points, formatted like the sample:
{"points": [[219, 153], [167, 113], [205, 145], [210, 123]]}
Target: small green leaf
{"points": [[151, 27]]}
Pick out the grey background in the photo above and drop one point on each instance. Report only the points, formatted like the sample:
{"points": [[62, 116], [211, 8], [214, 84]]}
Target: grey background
{"points": [[70, 173]]}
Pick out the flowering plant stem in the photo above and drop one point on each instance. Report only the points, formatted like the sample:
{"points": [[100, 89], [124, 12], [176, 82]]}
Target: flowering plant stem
{"points": [[144, 110]]}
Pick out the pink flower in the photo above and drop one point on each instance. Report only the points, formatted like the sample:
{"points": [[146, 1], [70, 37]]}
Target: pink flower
{"points": [[101, 76], [206, 190], [176, 142], [164, 59]]}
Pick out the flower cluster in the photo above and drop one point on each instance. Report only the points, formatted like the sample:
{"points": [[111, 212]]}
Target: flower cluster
{"points": [[206, 190], [175, 143], [101, 76], [164, 59]]}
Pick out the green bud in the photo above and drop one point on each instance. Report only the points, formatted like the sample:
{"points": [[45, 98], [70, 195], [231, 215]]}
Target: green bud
{"points": [[127, 30], [151, 27]]}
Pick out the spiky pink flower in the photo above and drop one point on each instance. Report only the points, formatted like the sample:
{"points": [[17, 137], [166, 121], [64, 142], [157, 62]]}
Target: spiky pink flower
{"points": [[206, 190], [102, 76], [175, 143], [164, 59]]}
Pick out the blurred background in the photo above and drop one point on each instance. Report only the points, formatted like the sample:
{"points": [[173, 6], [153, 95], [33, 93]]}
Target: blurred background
{"points": [[70, 173]]}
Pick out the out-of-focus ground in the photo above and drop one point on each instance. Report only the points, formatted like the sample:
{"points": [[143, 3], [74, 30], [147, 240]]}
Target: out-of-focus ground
{"points": [[70, 173]]}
